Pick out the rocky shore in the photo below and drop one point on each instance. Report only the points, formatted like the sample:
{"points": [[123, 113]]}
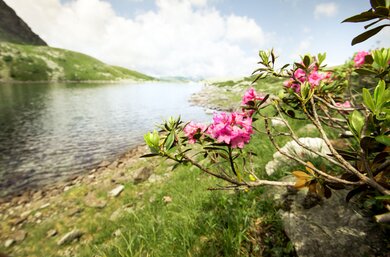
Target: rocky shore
{"points": [[95, 189]]}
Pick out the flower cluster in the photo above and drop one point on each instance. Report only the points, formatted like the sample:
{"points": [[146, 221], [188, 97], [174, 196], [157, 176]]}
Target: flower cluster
{"points": [[359, 58], [193, 131], [251, 96], [300, 76], [233, 129]]}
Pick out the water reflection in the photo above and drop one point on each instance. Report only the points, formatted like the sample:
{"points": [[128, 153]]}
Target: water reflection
{"points": [[52, 131]]}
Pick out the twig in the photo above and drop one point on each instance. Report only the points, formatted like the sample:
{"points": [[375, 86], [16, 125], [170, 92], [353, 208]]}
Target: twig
{"points": [[325, 175], [349, 167]]}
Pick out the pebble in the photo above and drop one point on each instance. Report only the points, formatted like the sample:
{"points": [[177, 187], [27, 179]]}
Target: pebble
{"points": [[51, 233], [69, 237], [25, 214], [44, 206], [116, 191], [167, 199], [8, 243], [117, 232]]}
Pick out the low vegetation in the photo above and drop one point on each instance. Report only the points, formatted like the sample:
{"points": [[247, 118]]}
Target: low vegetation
{"points": [[43, 63]]}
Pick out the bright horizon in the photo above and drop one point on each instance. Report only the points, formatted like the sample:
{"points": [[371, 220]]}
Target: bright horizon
{"points": [[198, 38]]}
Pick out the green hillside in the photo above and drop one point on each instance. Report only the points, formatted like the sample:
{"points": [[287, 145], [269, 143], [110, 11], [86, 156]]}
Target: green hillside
{"points": [[43, 63]]}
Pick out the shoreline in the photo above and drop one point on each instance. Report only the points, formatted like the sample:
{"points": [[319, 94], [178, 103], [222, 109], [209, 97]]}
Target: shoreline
{"points": [[86, 177]]}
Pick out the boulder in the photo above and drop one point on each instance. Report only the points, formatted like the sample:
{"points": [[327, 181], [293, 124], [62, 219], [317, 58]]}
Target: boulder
{"points": [[331, 228], [292, 147]]}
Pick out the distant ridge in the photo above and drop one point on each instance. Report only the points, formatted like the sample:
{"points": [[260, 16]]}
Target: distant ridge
{"points": [[13, 29]]}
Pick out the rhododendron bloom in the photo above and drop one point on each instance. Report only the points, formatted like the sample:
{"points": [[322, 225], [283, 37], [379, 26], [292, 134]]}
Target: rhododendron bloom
{"points": [[300, 75], [290, 84], [346, 104], [315, 78], [359, 58], [233, 129], [192, 129], [251, 96]]}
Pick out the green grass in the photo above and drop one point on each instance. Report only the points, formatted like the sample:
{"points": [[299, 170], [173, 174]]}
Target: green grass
{"points": [[42, 63]]}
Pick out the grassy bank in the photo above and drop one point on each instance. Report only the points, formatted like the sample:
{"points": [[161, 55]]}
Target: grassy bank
{"points": [[43, 63]]}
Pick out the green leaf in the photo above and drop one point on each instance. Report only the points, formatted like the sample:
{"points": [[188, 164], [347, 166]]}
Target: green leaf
{"points": [[306, 60], [169, 141], [367, 100], [379, 93], [363, 71], [383, 139], [366, 35], [356, 121], [362, 17], [321, 58], [376, 3], [383, 197]]}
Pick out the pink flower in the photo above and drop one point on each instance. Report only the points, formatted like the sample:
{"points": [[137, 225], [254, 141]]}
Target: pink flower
{"points": [[192, 130], [300, 75], [360, 58], [290, 84], [315, 78], [251, 96], [346, 104], [234, 129]]}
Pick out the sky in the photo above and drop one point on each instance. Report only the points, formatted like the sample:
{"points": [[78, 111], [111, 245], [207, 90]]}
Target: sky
{"points": [[198, 38]]}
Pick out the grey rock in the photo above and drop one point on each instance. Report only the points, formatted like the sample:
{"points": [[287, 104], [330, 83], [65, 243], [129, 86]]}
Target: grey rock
{"points": [[116, 191], [141, 175], [292, 147], [69, 237], [8, 243], [332, 227]]}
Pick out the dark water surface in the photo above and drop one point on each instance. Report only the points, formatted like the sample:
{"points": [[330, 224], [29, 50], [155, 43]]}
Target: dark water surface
{"points": [[49, 132]]}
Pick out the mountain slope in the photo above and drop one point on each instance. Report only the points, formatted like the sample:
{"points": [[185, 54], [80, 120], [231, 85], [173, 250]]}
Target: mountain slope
{"points": [[14, 29], [43, 63]]}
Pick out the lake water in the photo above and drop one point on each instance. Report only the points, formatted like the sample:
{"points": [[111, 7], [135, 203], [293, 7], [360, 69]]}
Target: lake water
{"points": [[49, 132]]}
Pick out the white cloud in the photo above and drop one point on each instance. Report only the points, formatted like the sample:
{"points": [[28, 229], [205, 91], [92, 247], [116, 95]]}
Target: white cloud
{"points": [[182, 37], [325, 10]]}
